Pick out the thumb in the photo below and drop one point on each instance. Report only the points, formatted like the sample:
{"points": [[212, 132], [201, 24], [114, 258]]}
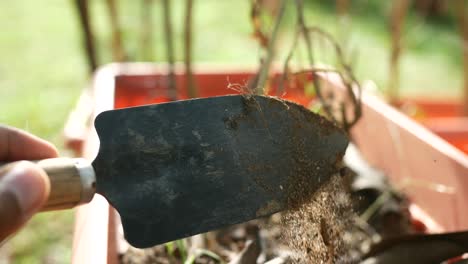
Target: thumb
{"points": [[24, 187]]}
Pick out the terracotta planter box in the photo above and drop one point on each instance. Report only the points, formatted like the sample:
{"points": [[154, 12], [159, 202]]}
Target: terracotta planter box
{"points": [[430, 170], [443, 117]]}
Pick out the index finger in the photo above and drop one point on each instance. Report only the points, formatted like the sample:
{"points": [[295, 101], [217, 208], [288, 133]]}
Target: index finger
{"points": [[16, 144]]}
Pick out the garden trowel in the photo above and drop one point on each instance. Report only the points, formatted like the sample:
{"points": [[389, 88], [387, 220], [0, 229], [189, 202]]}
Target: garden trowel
{"points": [[177, 169]]}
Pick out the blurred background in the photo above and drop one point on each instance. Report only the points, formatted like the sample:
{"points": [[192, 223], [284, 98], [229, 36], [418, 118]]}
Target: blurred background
{"points": [[414, 47]]}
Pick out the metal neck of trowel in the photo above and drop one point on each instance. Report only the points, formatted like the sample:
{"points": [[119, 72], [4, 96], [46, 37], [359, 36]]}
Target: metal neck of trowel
{"points": [[87, 178], [72, 182]]}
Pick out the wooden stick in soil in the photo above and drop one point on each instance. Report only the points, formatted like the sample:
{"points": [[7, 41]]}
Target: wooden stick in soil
{"points": [[462, 9], [188, 36], [83, 15], [265, 69], [172, 92], [118, 53], [147, 30], [399, 10]]}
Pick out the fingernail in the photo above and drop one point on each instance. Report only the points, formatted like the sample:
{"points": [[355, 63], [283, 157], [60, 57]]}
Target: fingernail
{"points": [[27, 184]]}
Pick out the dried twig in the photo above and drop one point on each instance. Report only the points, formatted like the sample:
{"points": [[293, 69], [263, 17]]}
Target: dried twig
{"points": [[286, 70], [345, 71], [172, 88], [255, 18], [83, 13], [191, 88], [265, 69], [147, 50], [399, 11], [343, 8], [306, 34], [118, 53]]}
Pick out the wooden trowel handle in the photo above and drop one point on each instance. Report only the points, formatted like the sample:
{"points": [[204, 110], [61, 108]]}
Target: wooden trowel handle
{"points": [[72, 182]]}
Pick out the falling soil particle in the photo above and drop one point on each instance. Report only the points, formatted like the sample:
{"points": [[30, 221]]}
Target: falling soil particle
{"points": [[314, 225]]}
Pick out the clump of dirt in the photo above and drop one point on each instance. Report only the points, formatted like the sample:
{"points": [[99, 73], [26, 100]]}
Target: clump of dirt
{"points": [[314, 226]]}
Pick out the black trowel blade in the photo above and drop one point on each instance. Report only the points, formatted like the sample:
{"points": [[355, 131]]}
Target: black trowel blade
{"points": [[177, 169]]}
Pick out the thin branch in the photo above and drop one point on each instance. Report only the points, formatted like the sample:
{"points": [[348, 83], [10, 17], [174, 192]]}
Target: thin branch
{"points": [[147, 30], [83, 14], [265, 69], [118, 53], [344, 21], [399, 11], [188, 36], [305, 32], [172, 88], [346, 74], [286, 68], [347, 77], [255, 18]]}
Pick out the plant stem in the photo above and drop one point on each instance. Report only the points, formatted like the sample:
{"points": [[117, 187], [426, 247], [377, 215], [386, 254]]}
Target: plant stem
{"points": [[172, 88], [191, 88], [265, 69], [118, 53], [146, 30], [83, 14], [399, 11], [306, 33], [343, 9]]}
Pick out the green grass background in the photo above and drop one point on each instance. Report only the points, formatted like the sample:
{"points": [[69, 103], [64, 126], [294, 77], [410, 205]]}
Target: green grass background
{"points": [[43, 70]]}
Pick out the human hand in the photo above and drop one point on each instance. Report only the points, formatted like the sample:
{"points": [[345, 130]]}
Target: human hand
{"points": [[24, 187]]}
